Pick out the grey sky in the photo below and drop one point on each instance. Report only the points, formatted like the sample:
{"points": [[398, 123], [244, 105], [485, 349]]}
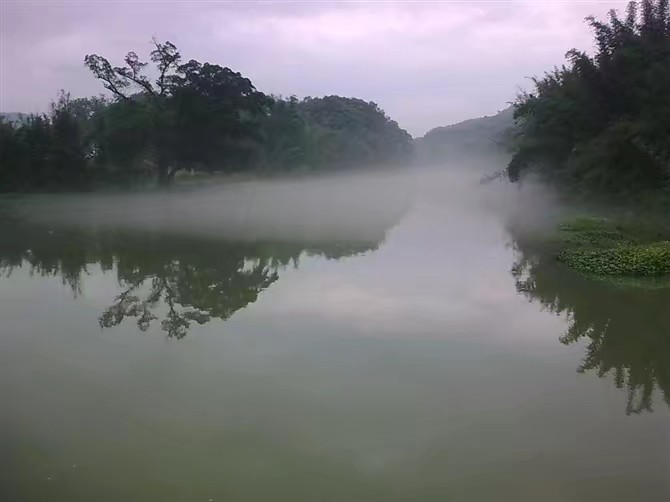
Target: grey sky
{"points": [[426, 63]]}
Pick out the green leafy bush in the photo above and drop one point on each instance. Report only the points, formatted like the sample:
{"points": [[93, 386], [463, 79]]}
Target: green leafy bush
{"points": [[599, 123], [609, 248], [624, 260]]}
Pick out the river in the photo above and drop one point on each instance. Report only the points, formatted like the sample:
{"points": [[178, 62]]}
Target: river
{"points": [[383, 337]]}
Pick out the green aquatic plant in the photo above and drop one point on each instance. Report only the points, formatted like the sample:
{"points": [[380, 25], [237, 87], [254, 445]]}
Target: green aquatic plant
{"points": [[620, 320], [623, 260], [604, 248]]}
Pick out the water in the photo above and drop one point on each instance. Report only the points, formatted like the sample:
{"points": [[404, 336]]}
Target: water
{"points": [[383, 338]]}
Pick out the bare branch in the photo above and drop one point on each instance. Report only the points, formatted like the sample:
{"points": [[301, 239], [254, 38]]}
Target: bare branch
{"points": [[167, 57], [102, 70], [134, 72]]}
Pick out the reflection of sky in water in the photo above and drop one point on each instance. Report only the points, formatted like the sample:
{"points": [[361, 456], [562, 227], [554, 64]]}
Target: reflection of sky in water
{"points": [[412, 372], [424, 281]]}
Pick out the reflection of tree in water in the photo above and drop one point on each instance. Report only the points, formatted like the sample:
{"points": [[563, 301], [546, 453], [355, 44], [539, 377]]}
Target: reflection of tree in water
{"points": [[626, 329], [179, 280]]}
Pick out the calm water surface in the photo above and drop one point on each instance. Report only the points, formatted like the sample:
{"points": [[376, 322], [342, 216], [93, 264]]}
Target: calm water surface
{"points": [[384, 339]]}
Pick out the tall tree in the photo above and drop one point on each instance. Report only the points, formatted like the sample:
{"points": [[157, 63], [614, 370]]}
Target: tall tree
{"points": [[603, 121], [194, 115], [145, 100]]}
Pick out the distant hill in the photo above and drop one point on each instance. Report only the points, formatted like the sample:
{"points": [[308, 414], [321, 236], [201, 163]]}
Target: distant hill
{"points": [[484, 134], [14, 117]]}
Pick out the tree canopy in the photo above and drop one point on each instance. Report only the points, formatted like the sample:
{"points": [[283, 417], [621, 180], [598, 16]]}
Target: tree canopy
{"points": [[44, 150], [602, 122], [165, 115]]}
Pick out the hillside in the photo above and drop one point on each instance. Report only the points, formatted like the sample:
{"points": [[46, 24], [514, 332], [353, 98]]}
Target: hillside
{"points": [[485, 134], [13, 117]]}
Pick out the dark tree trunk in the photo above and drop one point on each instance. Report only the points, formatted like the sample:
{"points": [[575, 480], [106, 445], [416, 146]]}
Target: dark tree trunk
{"points": [[166, 172]]}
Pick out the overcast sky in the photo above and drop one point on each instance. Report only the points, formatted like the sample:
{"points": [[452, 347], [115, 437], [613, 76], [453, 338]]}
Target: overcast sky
{"points": [[426, 63]]}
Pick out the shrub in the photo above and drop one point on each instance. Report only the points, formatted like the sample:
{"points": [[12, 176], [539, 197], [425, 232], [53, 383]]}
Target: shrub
{"points": [[624, 260]]}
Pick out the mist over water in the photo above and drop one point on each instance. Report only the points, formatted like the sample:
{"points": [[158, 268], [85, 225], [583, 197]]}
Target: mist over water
{"points": [[341, 206], [374, 336], [330, 208]]}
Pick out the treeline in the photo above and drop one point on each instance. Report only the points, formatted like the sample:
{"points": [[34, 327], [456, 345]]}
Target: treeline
{"points": [[193, 116], [602, 122]]}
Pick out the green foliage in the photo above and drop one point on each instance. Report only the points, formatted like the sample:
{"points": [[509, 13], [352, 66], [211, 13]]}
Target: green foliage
{"points": [[43, 151], [194, 116], [624, 260], [354, 132], [603, 122], [122, 134], [623, 329], [600, 247], [593, 232], [284, 137], [318, 134]]}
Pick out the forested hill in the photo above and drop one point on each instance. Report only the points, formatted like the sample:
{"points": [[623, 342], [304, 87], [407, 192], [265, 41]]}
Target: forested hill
{"points": [[488, 133], [194, 117]]}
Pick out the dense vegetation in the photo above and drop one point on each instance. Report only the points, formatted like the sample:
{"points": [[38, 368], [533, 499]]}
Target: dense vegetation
{"points": [[193, 116], [602, 122], [602, 248], [43, 150]]}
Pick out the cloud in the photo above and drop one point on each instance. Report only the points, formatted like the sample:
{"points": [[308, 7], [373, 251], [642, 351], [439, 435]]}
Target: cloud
{"points": [[425, 63]]}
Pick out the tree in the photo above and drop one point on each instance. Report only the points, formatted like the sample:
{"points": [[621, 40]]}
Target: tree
{"points": [[603, 121], [68, 165], [43, 151], [358, 132], [144, 100], [197, 116], [320, 134], [284, 137], [194, 115]]}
